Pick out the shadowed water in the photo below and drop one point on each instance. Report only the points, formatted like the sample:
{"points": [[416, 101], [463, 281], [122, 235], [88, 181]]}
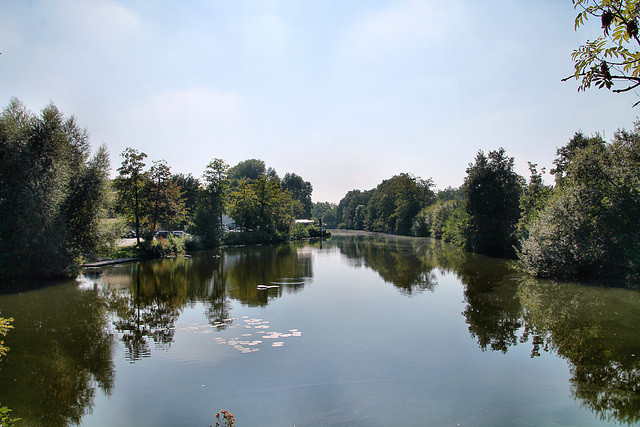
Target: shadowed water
{"points": [[360, 330]]}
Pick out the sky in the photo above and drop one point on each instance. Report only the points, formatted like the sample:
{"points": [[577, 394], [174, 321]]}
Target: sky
{"points": [[344, 93]]}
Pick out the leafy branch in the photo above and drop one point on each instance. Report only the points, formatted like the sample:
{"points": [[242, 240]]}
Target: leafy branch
{"points": [[613, 57]]}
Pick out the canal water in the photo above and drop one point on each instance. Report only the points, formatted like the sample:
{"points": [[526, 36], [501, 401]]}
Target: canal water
{"points": [[358, 330]]}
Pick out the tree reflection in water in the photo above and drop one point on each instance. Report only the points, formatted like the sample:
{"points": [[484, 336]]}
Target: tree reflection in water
{"points": [[156, 292], [588, 326], [58, 357], [596, 330], [402, 261]]}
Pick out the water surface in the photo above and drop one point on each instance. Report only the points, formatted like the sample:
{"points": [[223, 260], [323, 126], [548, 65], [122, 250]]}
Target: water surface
{"points": [[359, 330]]}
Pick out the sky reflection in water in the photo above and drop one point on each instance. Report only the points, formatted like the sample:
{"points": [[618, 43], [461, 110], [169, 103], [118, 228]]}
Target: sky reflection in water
{"points": [[359, 330]]}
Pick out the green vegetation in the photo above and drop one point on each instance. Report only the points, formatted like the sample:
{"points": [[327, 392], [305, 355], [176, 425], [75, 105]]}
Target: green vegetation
{"points": [[585, 227], [614, 56], [589, 226], [5, 419], [5, 325], [262, 206], [325, 212], [53, 194], [210, 204], [492, 194], [54, 199]]}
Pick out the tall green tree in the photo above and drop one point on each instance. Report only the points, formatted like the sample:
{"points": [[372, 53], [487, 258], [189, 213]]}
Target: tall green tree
{"points": [[52, 192], [613, 57], [248, 170], [189, 187], [300, 190], [327, 212], [492, 191], [165, 203], [129, 185], [243, 206], [350, 210], [212, 200], [535, 195]]}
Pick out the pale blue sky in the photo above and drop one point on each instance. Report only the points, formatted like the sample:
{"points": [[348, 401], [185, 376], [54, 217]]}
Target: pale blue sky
{"points": [[344, 93]]}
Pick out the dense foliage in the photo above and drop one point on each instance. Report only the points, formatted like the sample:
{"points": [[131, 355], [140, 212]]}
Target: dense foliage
{"points": [[210, 203], [590, 225], [251, 195], [52, 193], [492, 192], [586, 226]]}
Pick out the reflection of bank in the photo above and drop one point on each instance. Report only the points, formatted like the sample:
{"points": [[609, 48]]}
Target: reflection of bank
{"points": [[587, 326], [405, 262], [148, 297], [597, 331], [59, 359]]}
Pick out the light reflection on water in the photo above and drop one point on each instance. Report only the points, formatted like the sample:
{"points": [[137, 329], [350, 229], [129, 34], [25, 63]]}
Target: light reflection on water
{"points": [[362, 329]]}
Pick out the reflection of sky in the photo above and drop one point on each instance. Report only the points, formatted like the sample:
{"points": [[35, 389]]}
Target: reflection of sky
{"points": [[368, 355]]}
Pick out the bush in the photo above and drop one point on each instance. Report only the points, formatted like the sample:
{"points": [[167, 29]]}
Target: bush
{"points": [[430, 222], [161, 247], [456, 228], [573, 239], [299, 231]]}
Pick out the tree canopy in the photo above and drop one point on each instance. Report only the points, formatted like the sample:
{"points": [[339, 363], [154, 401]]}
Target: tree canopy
{"points": [[52, 192]]}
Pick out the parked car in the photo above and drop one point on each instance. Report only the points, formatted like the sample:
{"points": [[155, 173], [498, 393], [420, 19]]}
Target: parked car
{"points": [[130, 234], [162, 234], [181, 234]]}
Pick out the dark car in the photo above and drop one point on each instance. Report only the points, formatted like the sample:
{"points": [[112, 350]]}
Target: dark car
{"points": [[162, 234]]}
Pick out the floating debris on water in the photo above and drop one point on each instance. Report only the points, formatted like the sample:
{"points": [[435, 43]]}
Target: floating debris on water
{"points": [[242, 343]]}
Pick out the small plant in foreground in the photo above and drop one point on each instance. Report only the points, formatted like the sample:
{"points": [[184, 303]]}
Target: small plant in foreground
{"points": [[225, 418], [5, 420]]}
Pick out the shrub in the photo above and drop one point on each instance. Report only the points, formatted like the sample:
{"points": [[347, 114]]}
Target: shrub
{"points": [[162, 247]]}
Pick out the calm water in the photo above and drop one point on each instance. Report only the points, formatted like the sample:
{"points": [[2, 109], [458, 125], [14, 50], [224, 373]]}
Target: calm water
{"points": [[359, 330]]}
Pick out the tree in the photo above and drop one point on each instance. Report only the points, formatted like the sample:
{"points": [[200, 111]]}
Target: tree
{"points": [[300, 190], [492, 189], [243, 206], [212, 199], [349, 213], [189, 186], [590, 226], [86, 200], [164, 199], [129, 184], [395, 202], [613, 57], [248, 170], [326, 212], [534, 198], [52, 192]]}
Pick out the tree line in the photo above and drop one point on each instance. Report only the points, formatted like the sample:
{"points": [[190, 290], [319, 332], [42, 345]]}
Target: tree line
{"points": [[55, 198], [58, 204], [249, 192], [584, 227]]}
